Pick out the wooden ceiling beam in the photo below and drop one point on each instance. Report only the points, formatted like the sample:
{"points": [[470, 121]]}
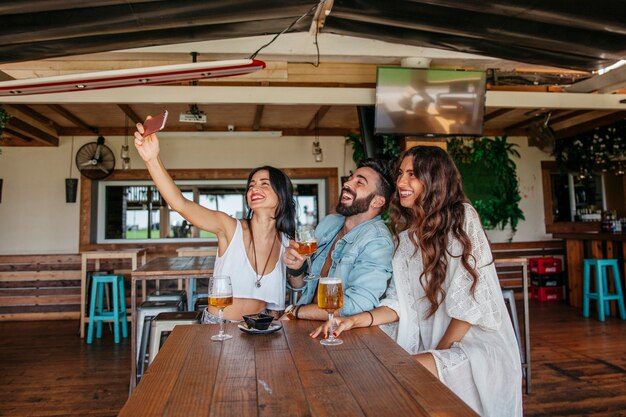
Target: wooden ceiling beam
{"points": [[36, 115], [14, 133], [496, 113], [567, 116], [525, 123], [317, 118], [258, 115], [72, 118], [591, 124], [130, 113], [31, 124], [119, 131], [21, 127]]}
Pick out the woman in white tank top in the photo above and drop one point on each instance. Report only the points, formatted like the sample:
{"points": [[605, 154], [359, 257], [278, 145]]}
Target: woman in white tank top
{"points": [[250, 251]]}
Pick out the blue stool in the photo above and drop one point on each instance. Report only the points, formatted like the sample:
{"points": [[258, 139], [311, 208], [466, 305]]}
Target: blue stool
{"points": [[602, 294], [118, 310]]}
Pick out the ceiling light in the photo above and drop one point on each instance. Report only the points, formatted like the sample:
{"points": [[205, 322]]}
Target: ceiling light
{"points": [[317, 152]]}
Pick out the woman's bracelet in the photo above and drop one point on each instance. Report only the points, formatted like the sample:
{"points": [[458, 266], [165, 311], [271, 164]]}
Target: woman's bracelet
{"points": [[371, 319], [297, 272]]}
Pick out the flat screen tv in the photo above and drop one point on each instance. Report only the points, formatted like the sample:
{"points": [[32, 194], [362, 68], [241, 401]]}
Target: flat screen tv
{"points": [[429, 102]]}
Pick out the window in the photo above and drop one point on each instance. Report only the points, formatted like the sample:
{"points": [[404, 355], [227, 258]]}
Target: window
{"points": [[134, 210]]}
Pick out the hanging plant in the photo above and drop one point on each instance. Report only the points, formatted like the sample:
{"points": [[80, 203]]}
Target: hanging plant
{"points": [[602, 149], [489, 179], [4, 118]]}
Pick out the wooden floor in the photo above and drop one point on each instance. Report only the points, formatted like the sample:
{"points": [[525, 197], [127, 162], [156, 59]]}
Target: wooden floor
{"points": [[579, 368]]}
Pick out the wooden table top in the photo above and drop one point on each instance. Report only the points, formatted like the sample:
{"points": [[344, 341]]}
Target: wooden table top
{"points": [[114, 252], [176, 265], [590, 236], [287, 373]]}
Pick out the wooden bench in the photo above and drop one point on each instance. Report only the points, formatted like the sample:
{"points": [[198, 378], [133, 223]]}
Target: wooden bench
{"points": [[43, 287]]}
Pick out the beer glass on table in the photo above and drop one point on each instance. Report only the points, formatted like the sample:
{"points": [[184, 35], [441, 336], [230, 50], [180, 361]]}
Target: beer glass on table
{"points": [[220, 297], [330, 298], [307, 245]]}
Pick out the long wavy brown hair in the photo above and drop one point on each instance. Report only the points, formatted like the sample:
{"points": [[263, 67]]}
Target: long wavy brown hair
{"points": [[437, 216]]}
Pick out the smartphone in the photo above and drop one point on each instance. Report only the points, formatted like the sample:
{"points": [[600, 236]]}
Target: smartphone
{"points": [[154, 124]]}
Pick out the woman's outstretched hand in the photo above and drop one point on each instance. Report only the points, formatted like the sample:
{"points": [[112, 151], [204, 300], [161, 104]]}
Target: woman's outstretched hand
{"points": [[148, 147], [339, 323]]}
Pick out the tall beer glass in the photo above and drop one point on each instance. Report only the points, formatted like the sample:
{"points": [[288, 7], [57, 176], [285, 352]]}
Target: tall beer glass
{"points": [[220, 297], [307, 245], [330, 298]]}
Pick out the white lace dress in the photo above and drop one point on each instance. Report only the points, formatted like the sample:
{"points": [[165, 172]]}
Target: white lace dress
{"points": [[484, 368]]}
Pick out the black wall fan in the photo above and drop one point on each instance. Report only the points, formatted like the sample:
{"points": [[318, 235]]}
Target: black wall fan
{"points": [[95, 160]]}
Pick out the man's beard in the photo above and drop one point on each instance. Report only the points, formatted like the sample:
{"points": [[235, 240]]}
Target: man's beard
{"points": [[358, 206]]}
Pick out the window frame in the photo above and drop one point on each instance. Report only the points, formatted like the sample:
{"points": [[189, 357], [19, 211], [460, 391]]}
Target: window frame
{"points": [[326, 178]]}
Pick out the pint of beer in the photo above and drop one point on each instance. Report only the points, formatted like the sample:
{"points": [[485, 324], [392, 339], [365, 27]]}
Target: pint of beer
{"points": [[330, 294]]}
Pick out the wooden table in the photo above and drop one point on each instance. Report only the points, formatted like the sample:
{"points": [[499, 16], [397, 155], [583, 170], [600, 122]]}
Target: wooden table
{"points": [[522, 263], [178, 267], [134, 254], [288, 374]]}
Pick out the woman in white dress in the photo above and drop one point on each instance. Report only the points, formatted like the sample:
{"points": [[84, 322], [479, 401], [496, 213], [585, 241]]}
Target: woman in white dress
{"points": [[444, 304], [250, 250]]}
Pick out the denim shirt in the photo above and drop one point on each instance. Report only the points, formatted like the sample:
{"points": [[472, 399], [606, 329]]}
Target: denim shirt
{"points": [[362, 259]]}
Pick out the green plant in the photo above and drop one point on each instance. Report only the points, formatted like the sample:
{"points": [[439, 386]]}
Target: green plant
{"points": [[389, 151], [489, 179], [602, 149], [4, 118]]}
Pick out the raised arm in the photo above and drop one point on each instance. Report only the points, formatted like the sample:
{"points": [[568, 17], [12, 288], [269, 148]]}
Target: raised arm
{"points": [[210, 220]]}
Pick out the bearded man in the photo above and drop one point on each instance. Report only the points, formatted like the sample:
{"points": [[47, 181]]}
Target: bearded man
{"points": [[353, 245]]}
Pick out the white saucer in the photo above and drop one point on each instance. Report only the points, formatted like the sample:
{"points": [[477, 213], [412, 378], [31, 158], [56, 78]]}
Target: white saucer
{"points": [[274, 326]]}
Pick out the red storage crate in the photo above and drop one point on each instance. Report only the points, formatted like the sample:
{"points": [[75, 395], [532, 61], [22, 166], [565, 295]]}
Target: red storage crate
{"points": [[547, 293], [548, 265], [546, 280]]}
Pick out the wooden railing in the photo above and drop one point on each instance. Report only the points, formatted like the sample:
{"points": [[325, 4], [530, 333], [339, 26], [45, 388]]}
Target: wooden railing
{"points": [[47, 287]]}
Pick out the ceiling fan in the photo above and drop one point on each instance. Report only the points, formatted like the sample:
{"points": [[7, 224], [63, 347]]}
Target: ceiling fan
{"points": [[95, 160], [541, 135]]}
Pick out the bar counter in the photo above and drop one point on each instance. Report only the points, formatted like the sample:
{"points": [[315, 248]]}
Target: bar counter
{"points": [[589, 245]]}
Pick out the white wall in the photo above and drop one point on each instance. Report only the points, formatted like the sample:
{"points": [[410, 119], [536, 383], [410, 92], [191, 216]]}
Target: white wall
{"points": [[530, 186], [35, 219]]}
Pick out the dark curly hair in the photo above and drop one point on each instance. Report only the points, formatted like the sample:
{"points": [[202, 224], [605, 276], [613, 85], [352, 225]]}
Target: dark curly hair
{"points": [[438, 214], [286, 211]]}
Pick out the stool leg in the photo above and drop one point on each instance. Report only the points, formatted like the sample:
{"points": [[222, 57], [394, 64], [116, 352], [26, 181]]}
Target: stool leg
{"points": [[605, 287], [116, 312], [123, 307], [92, 312], [100, 289], [618, 291], [586, 280], [600, 279], [191, 294]]}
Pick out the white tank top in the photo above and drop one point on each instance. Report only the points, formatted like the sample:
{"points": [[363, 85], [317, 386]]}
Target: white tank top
{"points": [[236, 264]]}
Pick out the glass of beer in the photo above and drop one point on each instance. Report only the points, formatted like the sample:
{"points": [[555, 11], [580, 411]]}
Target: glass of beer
{"points": [[220, 297], [307, 245], [330, 298]]}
